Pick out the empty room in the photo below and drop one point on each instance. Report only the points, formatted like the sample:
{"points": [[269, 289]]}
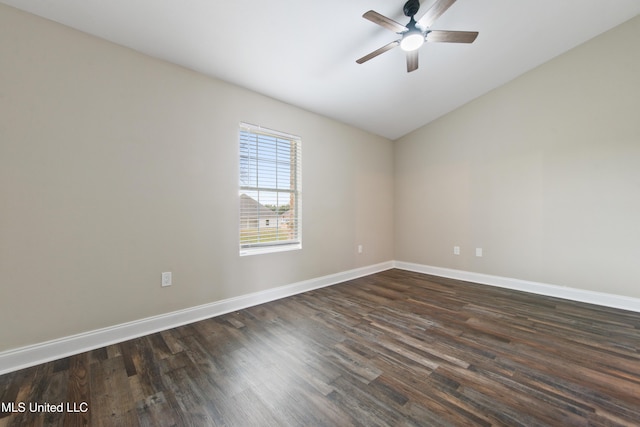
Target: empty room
{"points": [[288, 213]]}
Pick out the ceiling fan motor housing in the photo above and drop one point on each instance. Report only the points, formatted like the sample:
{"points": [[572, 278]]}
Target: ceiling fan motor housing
{"points": [[411, 7]]}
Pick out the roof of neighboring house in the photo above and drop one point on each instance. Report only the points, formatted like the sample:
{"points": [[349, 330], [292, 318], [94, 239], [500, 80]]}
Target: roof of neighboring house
{"points": [[251, 207]]}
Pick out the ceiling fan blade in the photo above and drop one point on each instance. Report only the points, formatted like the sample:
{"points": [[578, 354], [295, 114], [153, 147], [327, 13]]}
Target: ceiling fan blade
{"points": [[412, 61], [434, 12], [383, 21], [452, 36], [377, 52]]}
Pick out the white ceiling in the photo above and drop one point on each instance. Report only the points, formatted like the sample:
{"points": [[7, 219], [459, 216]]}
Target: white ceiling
{"points": [[303, 52]]}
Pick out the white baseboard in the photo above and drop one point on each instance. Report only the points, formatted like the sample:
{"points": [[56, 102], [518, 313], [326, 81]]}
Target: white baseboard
{"points": [[581, 295], [24, 357]]}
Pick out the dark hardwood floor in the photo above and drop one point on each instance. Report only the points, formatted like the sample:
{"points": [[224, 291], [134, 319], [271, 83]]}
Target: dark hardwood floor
{"points": [[391, 349]]}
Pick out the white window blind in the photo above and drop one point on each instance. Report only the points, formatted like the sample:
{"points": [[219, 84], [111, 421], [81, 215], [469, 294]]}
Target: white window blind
{"points": [[270, 190]]}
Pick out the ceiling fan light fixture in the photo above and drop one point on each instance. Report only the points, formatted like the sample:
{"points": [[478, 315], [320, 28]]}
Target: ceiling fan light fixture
{"points": [[412, 41]]}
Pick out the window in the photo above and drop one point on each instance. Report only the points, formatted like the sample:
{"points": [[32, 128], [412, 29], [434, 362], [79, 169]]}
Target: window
{"points": [[270, 199]]}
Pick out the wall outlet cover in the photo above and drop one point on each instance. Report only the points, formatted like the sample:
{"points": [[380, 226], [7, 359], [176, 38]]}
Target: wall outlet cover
{"points": [[166, 278]]}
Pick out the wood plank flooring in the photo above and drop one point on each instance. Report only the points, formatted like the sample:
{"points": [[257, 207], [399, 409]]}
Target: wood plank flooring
{"points": [[391, 349]]}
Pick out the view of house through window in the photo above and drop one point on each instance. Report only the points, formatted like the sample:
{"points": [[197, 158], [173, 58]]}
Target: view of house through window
{"points": [[270, 198]]}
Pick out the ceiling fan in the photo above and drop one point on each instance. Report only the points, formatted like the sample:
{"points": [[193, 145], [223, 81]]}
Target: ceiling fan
{"points": [[415, 33]]}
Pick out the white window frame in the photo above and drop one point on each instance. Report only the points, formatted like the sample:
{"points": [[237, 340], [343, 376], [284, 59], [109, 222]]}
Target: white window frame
{"points": [[258, 148]]}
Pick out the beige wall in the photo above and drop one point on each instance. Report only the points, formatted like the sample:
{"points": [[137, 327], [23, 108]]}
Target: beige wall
{"points": [[115, 167], [542, 173]]}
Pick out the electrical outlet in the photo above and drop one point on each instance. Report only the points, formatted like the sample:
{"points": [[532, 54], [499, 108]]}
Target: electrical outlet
{"points": [[166, 279], [359, 249], [456, 250], [478, 252]]}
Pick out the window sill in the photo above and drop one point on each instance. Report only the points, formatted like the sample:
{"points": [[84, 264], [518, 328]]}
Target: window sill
{"points": [[270, 249]]}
